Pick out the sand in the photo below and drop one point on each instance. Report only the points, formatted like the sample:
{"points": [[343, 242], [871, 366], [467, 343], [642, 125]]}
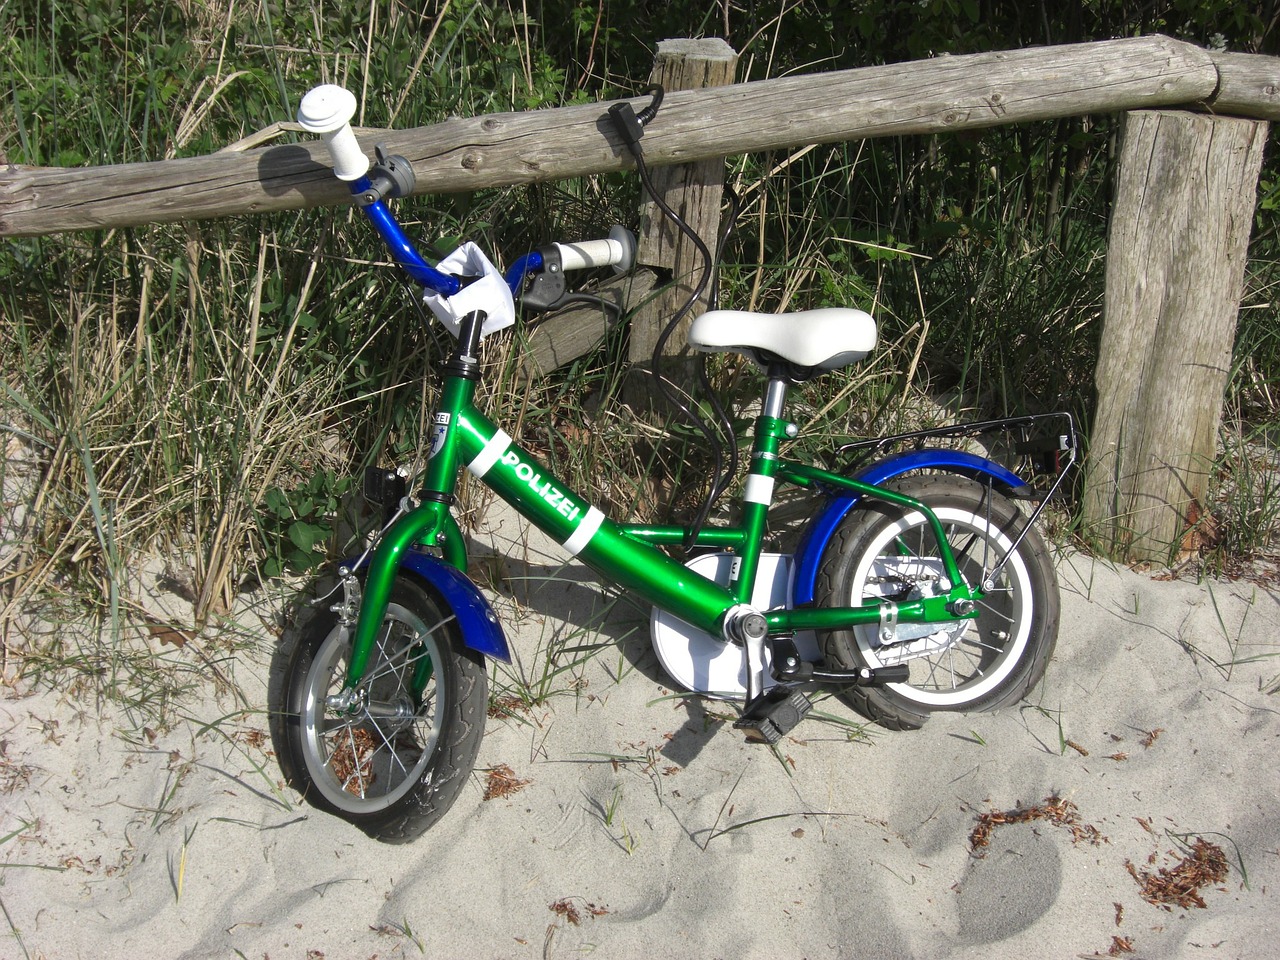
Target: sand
{"points": [[648, 828]]}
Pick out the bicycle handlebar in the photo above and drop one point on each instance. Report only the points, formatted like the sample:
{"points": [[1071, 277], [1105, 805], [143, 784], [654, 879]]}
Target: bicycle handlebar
{"points": [[327, 110], [617, 251]]}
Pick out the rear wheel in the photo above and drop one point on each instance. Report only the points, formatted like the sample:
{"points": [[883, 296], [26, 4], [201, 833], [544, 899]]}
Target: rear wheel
{"points": [[884, 552], [394, 761]]}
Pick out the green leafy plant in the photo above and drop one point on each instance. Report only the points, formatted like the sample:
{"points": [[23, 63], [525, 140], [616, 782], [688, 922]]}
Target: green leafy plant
{"points": [[298, 525]]}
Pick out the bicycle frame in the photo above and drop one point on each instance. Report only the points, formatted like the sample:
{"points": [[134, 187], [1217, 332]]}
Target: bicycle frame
{"points": [[626, 554]]}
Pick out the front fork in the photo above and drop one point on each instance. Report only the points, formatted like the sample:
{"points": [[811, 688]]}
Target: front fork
{"points": [[431, 523]]}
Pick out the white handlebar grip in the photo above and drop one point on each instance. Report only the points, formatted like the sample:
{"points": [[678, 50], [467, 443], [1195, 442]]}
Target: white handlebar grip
{"points": [[619, 252], [327, 110]]}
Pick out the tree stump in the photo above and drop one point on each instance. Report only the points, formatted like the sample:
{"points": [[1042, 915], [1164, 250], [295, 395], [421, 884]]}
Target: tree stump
{"points": [[1185, 194]]}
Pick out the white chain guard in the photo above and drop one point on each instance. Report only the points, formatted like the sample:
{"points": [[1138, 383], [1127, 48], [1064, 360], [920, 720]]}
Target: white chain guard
{"points": [[709, 665]]}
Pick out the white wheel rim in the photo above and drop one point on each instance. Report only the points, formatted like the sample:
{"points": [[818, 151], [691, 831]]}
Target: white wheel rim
{"points": [[1004, 609]]}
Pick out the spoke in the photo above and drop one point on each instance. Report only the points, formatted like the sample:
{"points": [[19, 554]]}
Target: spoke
{"points": [[400, 670], [329, 724], [383, 645], [963, 551], [382, 670], [988, 550], [930, 674], [986, 646], [987, 608], [389, 666], [390, 749], [355, 764], [386, 664]]}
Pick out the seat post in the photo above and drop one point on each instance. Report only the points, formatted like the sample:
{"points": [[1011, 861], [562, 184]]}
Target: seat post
{"points": [[757, 494], [775, 392]]}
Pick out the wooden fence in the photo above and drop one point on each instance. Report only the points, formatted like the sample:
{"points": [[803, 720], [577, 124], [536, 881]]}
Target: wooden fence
{"points": [[1192, 142]]}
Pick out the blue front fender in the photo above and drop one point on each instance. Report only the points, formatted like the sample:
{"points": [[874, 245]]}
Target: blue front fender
{"points": [[813, 542], [481, 629]]}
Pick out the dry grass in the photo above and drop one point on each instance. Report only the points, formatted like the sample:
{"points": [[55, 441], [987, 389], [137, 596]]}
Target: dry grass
{"points": [[501, 782], [568, 908], [352, 761]]}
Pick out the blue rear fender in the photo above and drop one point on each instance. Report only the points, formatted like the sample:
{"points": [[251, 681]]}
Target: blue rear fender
{"points": [[481, 629], [818, 532]]}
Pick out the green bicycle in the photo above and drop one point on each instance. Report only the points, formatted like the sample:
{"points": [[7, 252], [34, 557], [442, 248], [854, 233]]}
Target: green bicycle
{"points": [[917, 586]]}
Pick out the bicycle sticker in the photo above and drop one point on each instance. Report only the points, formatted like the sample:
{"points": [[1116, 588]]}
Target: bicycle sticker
{"points": [[549, 492], [438, 432]]}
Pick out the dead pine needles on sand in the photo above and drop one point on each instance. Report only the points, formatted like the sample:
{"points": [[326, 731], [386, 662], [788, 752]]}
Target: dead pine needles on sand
{"points": [[1180, 885], [1053, 809]]}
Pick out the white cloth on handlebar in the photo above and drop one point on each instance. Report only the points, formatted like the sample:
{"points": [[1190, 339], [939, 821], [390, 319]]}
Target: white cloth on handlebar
{"points": [[489, 293]]}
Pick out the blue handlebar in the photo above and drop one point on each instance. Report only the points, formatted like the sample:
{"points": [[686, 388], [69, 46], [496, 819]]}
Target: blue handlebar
{"points": [[516, 273], [402, 248], [407, 257]]}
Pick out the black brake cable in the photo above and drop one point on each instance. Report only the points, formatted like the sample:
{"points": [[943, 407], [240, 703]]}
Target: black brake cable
{"points": [[713, 302], [722, 474], [604, 303]]}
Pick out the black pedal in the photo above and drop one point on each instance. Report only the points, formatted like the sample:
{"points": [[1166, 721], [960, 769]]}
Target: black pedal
{"points": [[883, 676], [772, 715], [384, 488]]}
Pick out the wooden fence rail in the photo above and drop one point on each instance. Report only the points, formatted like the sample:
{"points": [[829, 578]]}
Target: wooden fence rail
{"points": [[931, 96]]}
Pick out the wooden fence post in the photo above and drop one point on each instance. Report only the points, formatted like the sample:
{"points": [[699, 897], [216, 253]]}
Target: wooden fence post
{"points": [[1185, 194], [695, 191]]}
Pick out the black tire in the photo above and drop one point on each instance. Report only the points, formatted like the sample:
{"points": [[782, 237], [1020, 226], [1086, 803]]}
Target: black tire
{"points": [[393, 776], [880, 550]]}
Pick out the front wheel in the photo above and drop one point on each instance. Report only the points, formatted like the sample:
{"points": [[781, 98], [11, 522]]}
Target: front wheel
{"points": [[884, 552], [394, 761]]}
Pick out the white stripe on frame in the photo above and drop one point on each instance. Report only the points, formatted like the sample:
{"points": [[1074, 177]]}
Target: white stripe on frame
{"points": [[488, 456], [758, 489], [586, 530]]}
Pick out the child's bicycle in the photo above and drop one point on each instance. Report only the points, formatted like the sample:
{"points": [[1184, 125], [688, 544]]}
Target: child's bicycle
{"points": [[917, 585]]}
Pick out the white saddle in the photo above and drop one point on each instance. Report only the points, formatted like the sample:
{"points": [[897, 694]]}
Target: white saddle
{"points": [[824, 339]]}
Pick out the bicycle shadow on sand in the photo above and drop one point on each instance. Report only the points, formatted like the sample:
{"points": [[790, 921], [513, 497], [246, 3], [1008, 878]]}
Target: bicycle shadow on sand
{"points": [[565, 630]]}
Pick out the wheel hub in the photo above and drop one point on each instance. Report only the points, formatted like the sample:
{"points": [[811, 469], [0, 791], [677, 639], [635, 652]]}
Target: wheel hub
{"points": [[914, 579]]}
